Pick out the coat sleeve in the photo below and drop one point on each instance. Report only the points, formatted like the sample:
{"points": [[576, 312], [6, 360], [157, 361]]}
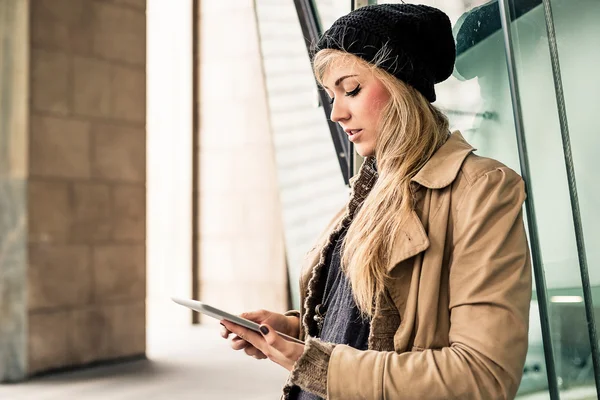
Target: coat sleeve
{"points": [[490, 294]]}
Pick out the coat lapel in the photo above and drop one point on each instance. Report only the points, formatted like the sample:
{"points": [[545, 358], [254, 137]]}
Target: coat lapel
{"points": [[439, 172], [411, 241]]}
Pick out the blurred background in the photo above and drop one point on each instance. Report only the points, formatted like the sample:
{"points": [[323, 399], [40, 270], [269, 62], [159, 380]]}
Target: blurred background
{"points": [[155, 148]]}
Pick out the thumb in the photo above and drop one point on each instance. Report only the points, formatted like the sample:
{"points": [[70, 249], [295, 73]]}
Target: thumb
{"points": [[270, 335], [255, 316]]}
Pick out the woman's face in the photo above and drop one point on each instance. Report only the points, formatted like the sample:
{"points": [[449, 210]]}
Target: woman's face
{"points": [[358, 99]]}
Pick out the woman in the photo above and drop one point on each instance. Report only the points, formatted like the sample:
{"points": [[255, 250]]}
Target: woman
{"points": [[420, 287]]}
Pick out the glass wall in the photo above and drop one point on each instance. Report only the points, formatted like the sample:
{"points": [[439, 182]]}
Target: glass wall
{"points": [[543, 107]]}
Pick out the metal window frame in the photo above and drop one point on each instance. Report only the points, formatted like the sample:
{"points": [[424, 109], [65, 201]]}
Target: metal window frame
{"points": [[312, 30]]}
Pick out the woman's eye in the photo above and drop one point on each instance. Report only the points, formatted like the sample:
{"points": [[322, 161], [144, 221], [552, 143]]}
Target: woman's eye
{"points": [[331, 100], [354, 92]]}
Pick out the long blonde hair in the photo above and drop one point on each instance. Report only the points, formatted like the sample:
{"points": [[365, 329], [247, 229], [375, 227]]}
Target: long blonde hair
{"points": [[411, 129]]}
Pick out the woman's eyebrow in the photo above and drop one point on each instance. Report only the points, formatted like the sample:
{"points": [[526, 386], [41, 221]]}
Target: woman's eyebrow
{"points": [[340, 79]]}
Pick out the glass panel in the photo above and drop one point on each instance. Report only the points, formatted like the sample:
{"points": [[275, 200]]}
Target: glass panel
{"points": [[577, 30], [575, 23], [311, 186], [330, 10], [477, 101]]}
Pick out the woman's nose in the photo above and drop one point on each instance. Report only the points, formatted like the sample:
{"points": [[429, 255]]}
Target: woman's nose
{"points": [[339, 112]]}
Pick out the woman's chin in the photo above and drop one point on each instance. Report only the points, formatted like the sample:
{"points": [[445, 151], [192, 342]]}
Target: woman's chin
{"points": [[364, 150]]}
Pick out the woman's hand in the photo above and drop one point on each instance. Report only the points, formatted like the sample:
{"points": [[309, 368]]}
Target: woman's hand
{"points": [[279, 322], [267, 344]]}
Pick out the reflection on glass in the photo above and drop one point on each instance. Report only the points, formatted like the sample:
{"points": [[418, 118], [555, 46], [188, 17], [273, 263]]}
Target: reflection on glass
{"points": [[576, 33], [577, 30], [576, 22]]}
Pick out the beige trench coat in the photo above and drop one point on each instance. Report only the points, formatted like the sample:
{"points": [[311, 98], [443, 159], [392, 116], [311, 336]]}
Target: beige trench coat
{"points": [[454, 323]]}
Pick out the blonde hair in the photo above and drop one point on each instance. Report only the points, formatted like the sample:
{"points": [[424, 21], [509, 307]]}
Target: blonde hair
{"points": [[411, 129]]}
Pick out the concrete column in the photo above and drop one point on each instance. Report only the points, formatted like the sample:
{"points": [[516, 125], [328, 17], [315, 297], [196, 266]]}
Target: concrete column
{"points": [[80, 283]]}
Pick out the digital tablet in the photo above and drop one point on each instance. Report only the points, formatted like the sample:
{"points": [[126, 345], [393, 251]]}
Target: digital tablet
{"points": [[220, 314]]}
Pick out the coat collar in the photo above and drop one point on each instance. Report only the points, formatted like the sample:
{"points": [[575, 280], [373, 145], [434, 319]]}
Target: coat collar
{"points": [[440, 171], [442, 168]]}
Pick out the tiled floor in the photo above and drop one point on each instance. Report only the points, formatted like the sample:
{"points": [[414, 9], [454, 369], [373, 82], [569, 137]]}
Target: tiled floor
{"points": [[186, 363]]}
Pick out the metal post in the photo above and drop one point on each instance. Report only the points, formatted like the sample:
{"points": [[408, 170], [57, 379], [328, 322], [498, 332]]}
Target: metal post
{"points": [[538, 271]]}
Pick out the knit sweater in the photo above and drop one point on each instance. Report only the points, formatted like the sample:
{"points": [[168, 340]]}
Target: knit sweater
{"points": [[310, 370], [342, 323]]}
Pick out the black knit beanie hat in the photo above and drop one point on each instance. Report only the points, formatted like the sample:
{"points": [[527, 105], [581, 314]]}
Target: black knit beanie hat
{"points": [[419, 37]]}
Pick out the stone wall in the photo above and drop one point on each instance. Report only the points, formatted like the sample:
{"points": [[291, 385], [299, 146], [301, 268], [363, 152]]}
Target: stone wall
{"points": [[85, 274]]}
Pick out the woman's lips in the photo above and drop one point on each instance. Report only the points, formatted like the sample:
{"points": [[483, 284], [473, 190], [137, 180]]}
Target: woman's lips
{"points": [[354, 134]]}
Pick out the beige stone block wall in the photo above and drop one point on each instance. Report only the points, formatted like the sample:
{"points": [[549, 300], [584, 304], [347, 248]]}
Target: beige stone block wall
{"points": [[242, 255], [86, 186]]}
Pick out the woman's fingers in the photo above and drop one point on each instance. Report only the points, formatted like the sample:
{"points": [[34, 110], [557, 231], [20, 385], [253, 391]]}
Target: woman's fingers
{"points": [[224, 332], [246, 339], [237, 343], [267, 344], [281, 351], [254, 352], [248, 335]]}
